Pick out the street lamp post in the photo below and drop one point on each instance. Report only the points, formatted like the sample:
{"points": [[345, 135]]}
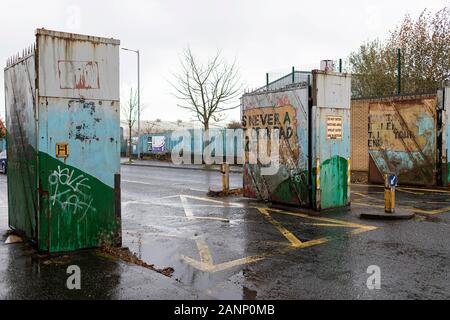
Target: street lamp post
{"points": [[139, 101]]}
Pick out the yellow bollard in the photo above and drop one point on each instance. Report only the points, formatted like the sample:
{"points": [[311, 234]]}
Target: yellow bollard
{"points": [[225, 169], [389, 194]]}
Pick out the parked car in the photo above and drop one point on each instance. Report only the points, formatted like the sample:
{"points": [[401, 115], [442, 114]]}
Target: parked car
{"points": [[3, 162]]}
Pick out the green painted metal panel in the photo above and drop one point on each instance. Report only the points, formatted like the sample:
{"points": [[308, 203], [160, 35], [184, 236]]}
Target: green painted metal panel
{"points": [[331, 139], [334, 186], [77, 207], [317, 134], [64, 201], [287, 111], [21, 147]]}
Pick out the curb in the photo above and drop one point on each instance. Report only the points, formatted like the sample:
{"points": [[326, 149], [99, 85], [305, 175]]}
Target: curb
{"points": [[176, 167]]}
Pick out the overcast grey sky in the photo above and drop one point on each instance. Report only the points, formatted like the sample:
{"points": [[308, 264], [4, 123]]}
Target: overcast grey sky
{"points": [[263, 35]]}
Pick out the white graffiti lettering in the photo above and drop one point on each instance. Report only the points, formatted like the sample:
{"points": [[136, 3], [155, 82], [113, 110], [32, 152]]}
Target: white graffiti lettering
{"points": [[70, 193]]}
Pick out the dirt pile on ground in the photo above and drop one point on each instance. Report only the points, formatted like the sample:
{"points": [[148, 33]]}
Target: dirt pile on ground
{"points": [[126, 255]]}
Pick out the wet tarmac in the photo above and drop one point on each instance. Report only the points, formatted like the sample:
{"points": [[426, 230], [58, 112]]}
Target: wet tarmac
{"points": [[237, 248]]}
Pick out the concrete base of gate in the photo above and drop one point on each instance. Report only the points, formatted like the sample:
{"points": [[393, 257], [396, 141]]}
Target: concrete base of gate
{"points": [[381, 215]]}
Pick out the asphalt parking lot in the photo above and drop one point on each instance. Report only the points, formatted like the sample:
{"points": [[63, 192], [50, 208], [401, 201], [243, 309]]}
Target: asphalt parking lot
{"points": [[236, 248], [241, 249]]}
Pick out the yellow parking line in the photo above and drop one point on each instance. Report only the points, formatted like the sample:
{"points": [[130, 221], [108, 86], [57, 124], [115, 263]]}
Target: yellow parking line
{"points": [[295, 242], [334, 222], [426, 190], [416, 210], [205, 267], [367, 196], [404, 188], [366, 205], [408, 191], [203, 249], [436, 211]]}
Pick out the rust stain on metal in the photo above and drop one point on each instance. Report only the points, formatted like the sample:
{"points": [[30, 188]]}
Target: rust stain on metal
{"points": [[402, 139]]}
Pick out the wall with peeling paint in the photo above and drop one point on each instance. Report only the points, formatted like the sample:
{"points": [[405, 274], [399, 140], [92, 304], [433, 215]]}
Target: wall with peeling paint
{"points": [[314, 154], [290, 107], [447, 132], [444, 105], [20, 98], [402, 139], [76, 103], [331, 101]]}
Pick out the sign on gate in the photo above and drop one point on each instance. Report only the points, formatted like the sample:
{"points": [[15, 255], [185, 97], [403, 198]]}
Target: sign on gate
{"points": [[334, 128]]}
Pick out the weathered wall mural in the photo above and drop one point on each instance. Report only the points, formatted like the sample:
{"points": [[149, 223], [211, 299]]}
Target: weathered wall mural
{"points": [[287, 112], [402, 140], [314, 142]]}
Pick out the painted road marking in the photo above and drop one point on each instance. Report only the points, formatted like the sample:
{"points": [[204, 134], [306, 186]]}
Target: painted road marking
{"points": [[367, 196], [206, 263], [416, 210], [404, 188], [366, 204], [203, 250], [138, 182], [222, 203], [295, 242], [436, 211], [186, 207], [222, 266], [408, 191], [335, 222]]}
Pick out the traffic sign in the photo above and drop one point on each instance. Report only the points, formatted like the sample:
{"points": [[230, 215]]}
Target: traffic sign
{"points": [[393, 180]]}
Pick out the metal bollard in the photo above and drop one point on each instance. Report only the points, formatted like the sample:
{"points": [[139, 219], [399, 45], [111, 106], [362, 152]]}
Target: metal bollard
{"points": [[225, 169], [390, 182]]}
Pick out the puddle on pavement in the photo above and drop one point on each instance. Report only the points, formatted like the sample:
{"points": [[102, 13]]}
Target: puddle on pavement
{"points": [[167, 251]]}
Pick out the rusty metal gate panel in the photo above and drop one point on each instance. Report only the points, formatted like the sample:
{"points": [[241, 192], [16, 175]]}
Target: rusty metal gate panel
{"points": [[20, 97], [314, 142], [286, 110], [402, 140], [331, 140], [70, 128], [446, 140], [443, 109]]}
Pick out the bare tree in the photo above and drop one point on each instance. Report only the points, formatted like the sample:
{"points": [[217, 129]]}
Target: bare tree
{"points": [[130, 114], [149, 127], [206, 89]]}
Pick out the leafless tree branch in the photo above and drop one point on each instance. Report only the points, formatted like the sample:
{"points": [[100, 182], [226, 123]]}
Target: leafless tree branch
{"points": [[206, 89]]}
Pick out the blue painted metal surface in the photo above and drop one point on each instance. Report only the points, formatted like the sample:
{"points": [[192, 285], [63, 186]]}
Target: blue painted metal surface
{"points": [[64, 142], [314, 147], [287, 111], [447, 134], [331, 139], [222, 141], [403, 139], [2, 144]]}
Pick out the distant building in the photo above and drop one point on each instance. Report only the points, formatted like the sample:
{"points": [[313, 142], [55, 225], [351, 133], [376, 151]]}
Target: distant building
{"points": [[160, 126]]}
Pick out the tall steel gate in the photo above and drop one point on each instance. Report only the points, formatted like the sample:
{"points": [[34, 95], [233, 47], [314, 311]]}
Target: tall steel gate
{"points": [[62, 111], [404, 138], [314, 142]]}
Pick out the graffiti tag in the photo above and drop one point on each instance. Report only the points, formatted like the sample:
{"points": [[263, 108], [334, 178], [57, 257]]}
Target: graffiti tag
{"points": [[70, 192]]}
